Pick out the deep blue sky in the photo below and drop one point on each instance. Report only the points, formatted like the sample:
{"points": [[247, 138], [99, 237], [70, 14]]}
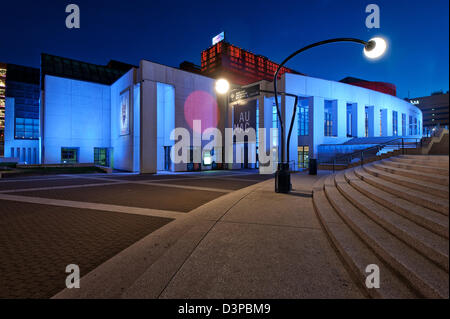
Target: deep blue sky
{"points": [[169, 32]]}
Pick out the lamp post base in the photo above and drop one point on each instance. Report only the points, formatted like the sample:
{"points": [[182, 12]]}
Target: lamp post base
{"points": [[283, 179]]}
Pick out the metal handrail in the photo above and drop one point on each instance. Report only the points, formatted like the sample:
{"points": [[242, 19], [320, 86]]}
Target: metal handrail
{"points": [[378, 147]]}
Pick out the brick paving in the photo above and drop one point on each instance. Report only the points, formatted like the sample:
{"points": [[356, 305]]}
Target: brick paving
{"points": [[37, 242], [136, 195], [12, 185]]}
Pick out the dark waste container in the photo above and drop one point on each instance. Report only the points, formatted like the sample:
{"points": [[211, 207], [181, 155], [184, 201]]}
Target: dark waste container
{"points": [[283, 179], [312, 166]]}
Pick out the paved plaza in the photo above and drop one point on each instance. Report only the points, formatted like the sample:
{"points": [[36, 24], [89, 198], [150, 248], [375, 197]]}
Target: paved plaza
{"points": [[48, 222]]}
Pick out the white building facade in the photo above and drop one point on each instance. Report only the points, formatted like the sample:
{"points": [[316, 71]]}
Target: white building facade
{"points": [[127, 125]]}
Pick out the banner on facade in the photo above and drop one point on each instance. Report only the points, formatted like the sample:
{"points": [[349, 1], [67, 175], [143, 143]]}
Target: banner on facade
{"points": [[245, 118], [125, 112]]}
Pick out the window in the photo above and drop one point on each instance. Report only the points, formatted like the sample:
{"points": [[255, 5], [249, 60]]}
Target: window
{"points": [[349, 120], [366, 121], [69, 155], [303, 119], [328, 118], [403, 124], [410, 125], [394, 123], [303, 156], [415, 126], [26, 128], [328, 124], [101, 156], [275, 125]]}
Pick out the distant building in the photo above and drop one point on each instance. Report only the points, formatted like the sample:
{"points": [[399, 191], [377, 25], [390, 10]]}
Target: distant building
{"points": [[239, 66], [382, 87], [2, 105], [435, 109]]}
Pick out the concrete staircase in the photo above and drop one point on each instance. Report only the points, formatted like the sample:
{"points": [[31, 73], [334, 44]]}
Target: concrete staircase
{"points": [[392, 213]]}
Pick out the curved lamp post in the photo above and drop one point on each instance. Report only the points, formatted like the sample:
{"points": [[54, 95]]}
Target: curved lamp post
{"points": [[373, 49]]}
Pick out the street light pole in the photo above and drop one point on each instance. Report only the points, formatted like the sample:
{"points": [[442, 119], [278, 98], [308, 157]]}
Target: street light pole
{"points": [[373, 48]]}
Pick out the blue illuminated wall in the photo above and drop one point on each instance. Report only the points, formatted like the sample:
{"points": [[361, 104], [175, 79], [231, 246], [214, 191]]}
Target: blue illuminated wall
{"points": [[320, 92], [165, 112], [76, 114]]}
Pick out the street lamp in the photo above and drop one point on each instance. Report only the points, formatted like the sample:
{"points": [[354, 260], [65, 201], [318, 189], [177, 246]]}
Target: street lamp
{"points": [[222, 86], [374, 48]]}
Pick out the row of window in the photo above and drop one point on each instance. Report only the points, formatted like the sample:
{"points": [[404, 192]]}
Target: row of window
{"points": [[26, 128], [70, 155], [25, 155], [330, 130]]}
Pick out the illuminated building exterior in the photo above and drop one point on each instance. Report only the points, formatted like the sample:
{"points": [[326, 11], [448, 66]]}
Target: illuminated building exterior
{"points": [[122, 116], [435, 109]]}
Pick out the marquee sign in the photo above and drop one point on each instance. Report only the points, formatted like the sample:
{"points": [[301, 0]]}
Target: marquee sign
{"points": [[244, 93], [218, 38]]}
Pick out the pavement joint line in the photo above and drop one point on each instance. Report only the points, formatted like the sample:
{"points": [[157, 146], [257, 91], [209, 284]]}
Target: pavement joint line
{"points": [[106, 177], [219, 190], [201, 240], [31, 179], [245, 180], [94, 206], [109, 182], [59, 187]]}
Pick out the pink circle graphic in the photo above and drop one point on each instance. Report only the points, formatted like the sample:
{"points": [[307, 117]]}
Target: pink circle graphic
{"points": [[201, 105]]}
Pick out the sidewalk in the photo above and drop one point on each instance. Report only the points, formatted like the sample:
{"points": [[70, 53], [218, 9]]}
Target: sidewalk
{"points": [[252, 243]]}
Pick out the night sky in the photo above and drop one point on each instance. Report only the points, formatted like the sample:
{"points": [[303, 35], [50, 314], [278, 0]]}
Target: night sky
{"points": [[170, 32]]}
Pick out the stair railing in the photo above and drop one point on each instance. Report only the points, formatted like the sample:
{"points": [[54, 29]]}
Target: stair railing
{"points": [[399, 142]]}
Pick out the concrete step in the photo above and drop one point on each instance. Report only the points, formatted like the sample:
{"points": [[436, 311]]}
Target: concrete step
{"points": [[422, 199], [423, 275], [422, 186], [435, 171], [355, 253], [427, 218], [422, 162], [411, 173], [427, 243], [438, 158]]}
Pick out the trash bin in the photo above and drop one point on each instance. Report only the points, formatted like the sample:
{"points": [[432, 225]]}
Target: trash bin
{"points": [[312, 166], [283, 179]]}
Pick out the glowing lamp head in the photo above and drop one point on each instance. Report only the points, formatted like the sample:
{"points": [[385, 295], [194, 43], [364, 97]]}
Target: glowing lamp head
{"points": [[222, 86], [375, 48]]}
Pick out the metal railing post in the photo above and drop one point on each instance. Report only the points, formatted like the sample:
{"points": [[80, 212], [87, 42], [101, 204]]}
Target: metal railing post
{"points": [[334, 162], [362, 158], [403, 147]]}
